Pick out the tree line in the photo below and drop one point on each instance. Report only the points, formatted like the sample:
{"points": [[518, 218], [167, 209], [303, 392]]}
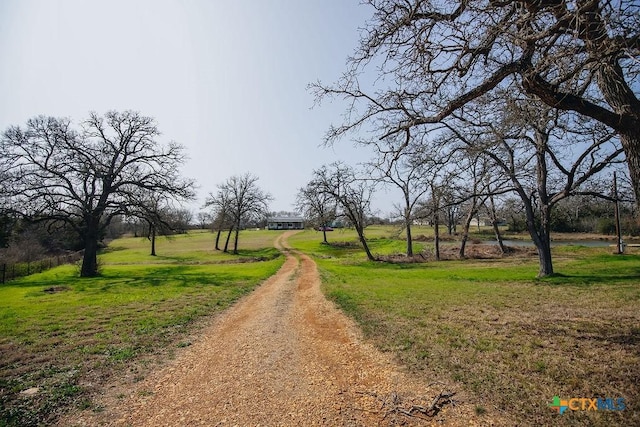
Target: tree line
{"points": [[65, 189]]}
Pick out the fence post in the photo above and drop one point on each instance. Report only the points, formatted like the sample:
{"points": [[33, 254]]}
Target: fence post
{"points": [[4, 272]]}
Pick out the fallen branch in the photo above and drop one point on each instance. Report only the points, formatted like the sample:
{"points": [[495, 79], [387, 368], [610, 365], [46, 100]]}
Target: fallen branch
{"points": [[394, 404]]}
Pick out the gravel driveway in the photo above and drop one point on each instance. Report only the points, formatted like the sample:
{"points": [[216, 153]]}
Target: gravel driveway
{"points": [[283, 355]]}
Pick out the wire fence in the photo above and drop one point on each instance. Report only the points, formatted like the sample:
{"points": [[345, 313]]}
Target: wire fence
{"points": [[10, 271]]}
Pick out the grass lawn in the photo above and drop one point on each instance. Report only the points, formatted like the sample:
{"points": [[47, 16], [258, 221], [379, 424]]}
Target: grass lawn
{"points": [[65, 336], [490, 328]]}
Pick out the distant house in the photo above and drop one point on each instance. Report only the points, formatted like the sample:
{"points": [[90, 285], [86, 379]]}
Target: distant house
{"points": [[486, 222], [285, 223]]}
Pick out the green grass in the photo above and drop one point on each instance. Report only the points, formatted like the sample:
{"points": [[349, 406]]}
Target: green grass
{"points": [[490, 328], [199, 249], [486, 326], [67, 335], [343, 242]]}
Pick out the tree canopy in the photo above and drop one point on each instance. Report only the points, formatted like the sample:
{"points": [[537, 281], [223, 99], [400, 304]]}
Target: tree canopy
{"points": [[239, 200], [435, 58]]}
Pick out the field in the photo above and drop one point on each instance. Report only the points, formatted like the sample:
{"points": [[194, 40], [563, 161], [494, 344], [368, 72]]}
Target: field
{"points": [[488, 327], [61, 337]]}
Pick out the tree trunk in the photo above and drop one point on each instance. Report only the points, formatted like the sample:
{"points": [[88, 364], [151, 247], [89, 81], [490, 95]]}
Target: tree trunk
{"points": [[436, 237], [90, 257], [450, 222], [465, 232], [235, 240], [544, 255], [324, 233], [496, 232], [218, 238], [407, 221], [409, 238], [226, 244], [631, 145], [494, 224], [153, 240], [541, 238], [363, 241], [620, 96]]}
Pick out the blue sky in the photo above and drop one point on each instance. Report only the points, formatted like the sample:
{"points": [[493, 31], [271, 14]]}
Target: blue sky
{"points": [[227, 79]]}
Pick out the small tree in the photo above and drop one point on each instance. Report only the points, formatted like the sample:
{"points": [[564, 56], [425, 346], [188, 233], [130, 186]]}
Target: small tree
{"points": [[353, 196], [204, 219], [243, 201], [405, 170], [87, 177], [220, 202], [159, 217], [318, 207]]}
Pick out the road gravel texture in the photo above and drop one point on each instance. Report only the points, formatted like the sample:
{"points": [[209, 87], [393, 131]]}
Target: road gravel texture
{"points": [[282, 356]]}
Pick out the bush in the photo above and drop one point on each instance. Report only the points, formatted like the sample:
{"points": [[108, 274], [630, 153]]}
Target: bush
{"points": [[606, 226]]}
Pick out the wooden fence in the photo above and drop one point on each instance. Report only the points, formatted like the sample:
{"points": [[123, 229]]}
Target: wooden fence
{"points": [[10, 271]]}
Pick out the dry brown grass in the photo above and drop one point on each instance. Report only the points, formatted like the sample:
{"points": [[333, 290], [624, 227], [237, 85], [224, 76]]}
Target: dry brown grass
{"points": [[509, 340]]}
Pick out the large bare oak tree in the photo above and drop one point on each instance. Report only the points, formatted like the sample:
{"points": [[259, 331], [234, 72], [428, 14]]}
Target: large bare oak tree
{"points": [[86, 177], [433, 58], [546, 158]]}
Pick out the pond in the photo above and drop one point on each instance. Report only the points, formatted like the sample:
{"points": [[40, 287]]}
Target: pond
{"points": [[529, 243]]}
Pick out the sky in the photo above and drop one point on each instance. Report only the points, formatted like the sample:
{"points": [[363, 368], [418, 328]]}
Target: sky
{"points": [[226, 79]]}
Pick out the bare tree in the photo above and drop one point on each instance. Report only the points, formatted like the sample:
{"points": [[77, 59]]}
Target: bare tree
{"points": [[221, 204], [406, 172], [204, 219], [473, 193], [245, 202], [179, 219], [87, 177], [545, 158], [493, 217], [439, 182], [353, 196], [163, 219], [151, 211], [433, 59], [318, 207]]}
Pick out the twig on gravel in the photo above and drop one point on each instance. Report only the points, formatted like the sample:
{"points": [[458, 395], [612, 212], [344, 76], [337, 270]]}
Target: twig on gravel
{"points": [[395, 405], [435, 383]]}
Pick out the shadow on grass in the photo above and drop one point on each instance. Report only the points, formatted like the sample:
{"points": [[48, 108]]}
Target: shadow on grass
{"points": [[122, 278], [218, 257], [590, 279], [631, 339], [109, 249]]}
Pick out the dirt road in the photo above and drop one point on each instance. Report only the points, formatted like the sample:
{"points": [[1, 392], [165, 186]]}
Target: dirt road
{"points": [[283, 355]]}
